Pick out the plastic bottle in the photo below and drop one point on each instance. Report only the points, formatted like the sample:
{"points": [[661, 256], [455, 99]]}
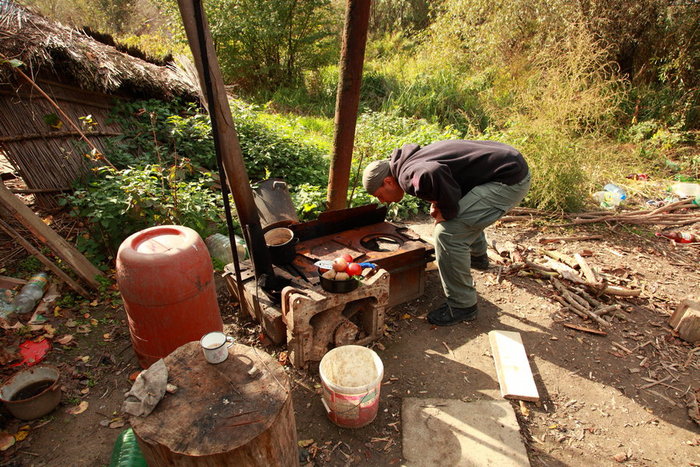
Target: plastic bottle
{"points": [[612, 188], [219, 247], [608, 199], [680, 237], [31, 293], [686, 189]]}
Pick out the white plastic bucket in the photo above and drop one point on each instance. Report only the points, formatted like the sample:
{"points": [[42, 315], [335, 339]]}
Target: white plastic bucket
{"points": [[351, 376]]}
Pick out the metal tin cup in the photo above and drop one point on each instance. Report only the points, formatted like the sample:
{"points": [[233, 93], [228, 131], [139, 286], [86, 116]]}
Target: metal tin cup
{"points": [[215, 346]]}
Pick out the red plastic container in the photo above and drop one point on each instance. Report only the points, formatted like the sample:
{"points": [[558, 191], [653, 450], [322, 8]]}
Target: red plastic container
{"points": [[166, 280]]}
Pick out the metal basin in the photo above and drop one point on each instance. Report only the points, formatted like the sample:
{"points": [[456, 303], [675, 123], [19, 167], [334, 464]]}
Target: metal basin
{"points": [[32, 393]]}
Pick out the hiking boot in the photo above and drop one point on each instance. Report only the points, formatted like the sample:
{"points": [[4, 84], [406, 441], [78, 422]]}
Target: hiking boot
{"points": [[480, 262], [445, 315]]}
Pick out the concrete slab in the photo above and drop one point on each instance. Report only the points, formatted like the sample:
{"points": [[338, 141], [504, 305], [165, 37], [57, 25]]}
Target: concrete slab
{"points": [[450, 433]]}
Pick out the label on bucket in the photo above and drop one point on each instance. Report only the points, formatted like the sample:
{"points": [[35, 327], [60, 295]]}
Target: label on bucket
{"points": [[351, 410]]}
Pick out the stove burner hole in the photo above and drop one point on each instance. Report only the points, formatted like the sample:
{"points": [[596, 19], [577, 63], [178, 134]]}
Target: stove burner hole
{"points": [[380, 243]]}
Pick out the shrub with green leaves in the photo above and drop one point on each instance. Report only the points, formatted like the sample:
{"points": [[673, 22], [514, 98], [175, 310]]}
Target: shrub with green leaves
{"points": [[157, 132], [269, 152], [117, 203]]}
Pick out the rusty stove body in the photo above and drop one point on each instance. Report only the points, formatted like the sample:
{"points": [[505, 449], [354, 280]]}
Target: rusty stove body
{"points": [[312, 321]]}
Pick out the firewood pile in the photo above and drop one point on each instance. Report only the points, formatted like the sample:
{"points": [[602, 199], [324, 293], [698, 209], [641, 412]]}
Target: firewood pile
{"points": [[682, 212], [581, 289]]}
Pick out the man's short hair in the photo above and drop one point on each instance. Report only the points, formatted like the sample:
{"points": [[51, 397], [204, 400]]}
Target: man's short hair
{"points": [[374, 175]]}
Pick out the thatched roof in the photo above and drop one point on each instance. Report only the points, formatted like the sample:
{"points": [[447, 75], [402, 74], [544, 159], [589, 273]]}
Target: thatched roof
{"points": [[46, 46]]}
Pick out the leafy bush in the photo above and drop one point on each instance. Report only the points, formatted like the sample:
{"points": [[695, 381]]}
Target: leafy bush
{"points": [[117, 203], [558, 177], [157, 132], [268, 152]]}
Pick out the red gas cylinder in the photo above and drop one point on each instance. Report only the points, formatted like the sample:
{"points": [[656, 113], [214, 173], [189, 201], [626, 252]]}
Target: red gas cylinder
{"points": [[166, 280]]}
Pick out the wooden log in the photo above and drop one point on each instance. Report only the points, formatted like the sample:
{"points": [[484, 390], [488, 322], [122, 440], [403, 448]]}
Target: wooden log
{"points": [[64, 250], [585, 329], [686, 320], [546, 240], [44, 260], [561, 257], [235, 413], [575, 304], [586, 269]]}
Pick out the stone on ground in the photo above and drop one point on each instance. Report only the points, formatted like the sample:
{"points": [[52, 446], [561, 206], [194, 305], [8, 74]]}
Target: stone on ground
{"points": [[447, 432]]}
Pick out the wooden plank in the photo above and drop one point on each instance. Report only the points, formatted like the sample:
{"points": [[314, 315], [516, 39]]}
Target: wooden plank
{"points": [[7, 282], [512, 366], [44, 260], [64, 250]]}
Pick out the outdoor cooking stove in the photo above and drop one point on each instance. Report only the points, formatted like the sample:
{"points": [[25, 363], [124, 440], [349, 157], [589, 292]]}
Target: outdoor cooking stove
{"points": [[311, 320]]}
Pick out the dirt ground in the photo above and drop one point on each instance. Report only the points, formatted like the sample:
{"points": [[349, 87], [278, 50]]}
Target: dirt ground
{"points": [[619, 398]]}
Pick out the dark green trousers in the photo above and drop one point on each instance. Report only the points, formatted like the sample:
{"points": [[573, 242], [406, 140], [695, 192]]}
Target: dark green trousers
{"points": [[462, 236]]}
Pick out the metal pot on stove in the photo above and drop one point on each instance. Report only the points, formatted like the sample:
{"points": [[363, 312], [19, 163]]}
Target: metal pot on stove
{"points": [[281, 242]]}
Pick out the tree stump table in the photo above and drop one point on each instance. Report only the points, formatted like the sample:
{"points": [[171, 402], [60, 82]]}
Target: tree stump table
{"points": [[238, 412]]}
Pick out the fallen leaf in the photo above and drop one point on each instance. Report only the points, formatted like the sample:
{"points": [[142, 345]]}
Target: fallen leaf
{"points": [[84, 390], [71, 323], [6, 441], [78, 409], [305, 443], [57, 311], [65, 340], [20, 435], [83, 358], [406, 316], [94, 303], [134, 375], [86, 315], [106, 336], [104, 423], [93, 322], [117, 424], [83, 329]]}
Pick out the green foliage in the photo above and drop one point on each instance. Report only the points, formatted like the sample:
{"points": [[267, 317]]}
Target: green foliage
{"points": [[119, 203], [378, 134], [30, 265], [268, 44], [404, 15], [272, 152], [157, 132]]}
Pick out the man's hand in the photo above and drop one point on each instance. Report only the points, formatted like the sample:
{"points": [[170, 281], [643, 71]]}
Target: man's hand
{"points": [[435, 213]]}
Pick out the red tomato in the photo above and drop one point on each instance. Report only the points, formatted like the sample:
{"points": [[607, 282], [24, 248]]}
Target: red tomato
{"points": [[353, 269], [347, 258]]}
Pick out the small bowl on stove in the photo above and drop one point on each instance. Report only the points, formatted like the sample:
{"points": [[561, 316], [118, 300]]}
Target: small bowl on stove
{"points": [[338, 286]]}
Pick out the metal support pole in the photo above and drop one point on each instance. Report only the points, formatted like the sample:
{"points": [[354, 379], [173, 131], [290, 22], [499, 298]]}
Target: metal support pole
{"points": [[348, 100]]}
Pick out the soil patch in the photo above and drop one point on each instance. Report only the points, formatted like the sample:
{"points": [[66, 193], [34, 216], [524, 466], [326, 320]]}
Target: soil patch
{"points": [[618, 398]]}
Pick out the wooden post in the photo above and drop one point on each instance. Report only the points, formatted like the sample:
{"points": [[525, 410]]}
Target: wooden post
{"points": [[235, 413], [64, 250], [348, 100]]}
